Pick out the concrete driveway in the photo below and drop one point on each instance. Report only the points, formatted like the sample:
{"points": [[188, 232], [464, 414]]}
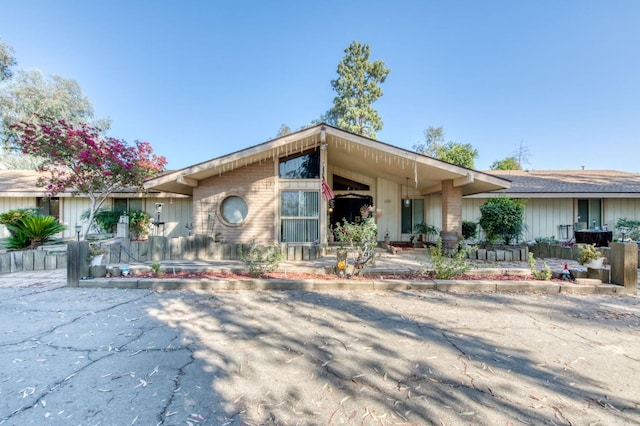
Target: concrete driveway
{"points": [[123, 357]]}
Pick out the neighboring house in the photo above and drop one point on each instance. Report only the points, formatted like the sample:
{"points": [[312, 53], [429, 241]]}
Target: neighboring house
{"points": [[19, 190], [559, 201], [273, 192]]}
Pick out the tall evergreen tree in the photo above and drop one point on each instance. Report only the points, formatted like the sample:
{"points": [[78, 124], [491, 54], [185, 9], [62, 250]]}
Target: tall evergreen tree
{"points": [[357, 88]]}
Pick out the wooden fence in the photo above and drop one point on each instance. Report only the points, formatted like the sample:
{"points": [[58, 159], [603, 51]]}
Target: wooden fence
{"points": [[32, 260], [156, 249]]}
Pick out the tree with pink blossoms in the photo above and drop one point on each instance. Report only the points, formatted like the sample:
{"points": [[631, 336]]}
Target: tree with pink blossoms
{"points": [[79, 160]]}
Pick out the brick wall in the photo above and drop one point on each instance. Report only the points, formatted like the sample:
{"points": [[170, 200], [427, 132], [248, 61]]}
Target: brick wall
{"points": [[256, 184], [451, 208]]}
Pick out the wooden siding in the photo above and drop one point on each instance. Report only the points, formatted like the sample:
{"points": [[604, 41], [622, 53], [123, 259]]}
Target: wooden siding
{"points": [[433, 208], [619, 208], [543, 216], [176, 215], [388, 200]]}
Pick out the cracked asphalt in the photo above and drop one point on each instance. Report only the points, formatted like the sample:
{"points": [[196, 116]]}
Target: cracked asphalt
{"points": [[81, 356]]}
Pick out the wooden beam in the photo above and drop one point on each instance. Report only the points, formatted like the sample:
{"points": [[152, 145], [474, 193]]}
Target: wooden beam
{"points": [[465, 180], [432, 189], [187, 181]]}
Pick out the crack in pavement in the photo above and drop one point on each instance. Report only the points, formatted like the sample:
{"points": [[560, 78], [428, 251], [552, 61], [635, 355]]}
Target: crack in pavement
{"points": [[51, 330]]}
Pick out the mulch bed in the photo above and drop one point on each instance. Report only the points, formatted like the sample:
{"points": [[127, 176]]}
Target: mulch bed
{"points": [[232, 275]]}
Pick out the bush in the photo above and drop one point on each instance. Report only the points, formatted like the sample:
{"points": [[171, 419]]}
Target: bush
{"points": [[104, 221], [631, 227], [361, 239], [139, 224], [469, 230], [35, 229], [17, 241], [155, 267], [588, 253], [14, 217], [426, 230], [544, 275], [262, 260], [502, 218], [447, 266]]}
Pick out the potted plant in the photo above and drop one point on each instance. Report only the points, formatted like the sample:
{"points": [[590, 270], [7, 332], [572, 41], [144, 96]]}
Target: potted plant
{"points": [[96, 254], [422, 229], [590, 256]]}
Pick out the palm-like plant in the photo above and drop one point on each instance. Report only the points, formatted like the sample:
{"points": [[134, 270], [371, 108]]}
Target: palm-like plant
{"points": [[37, 229]]}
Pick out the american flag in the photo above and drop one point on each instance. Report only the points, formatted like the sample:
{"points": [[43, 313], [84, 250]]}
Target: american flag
{"points": [[327, 193]]}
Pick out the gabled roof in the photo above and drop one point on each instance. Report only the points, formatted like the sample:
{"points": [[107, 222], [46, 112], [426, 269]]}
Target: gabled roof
{"points": [[24, 183], [345, 150], [569, 183]]}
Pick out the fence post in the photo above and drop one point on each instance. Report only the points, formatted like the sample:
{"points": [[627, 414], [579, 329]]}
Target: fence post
{"points": [[624, 266], [77, 262]]}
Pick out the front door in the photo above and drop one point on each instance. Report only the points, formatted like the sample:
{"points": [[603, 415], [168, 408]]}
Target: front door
{"points": [[348, 207]]}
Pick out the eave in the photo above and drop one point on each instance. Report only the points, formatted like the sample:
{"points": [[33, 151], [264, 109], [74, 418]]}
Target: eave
{"points": [[344, 150]]}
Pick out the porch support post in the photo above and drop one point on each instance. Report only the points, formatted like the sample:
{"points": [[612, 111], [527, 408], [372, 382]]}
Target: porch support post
{"points": [[324, 208], [451, 214]]}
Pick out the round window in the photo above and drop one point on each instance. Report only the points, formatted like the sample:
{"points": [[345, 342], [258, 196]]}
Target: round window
{"points": [[234, 210]]}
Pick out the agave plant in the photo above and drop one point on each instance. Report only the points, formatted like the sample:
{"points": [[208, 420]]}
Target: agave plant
{"points": [[37, 229]]}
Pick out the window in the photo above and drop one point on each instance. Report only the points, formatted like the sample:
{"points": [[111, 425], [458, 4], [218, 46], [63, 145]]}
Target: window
{"points": [[412, 215], [299, 216], [303, 166], [127, 204], [49, 206], [589, 214], [344, 184], [234, 210]]}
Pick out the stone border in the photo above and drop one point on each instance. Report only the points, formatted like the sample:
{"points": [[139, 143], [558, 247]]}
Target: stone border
{"points": [[522, 286]]}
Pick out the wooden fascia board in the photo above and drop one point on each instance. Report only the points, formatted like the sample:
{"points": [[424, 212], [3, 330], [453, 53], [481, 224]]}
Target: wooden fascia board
{"points": [[183, 180], [465, 180], [251, 151], [432, 189], [631, 195]]}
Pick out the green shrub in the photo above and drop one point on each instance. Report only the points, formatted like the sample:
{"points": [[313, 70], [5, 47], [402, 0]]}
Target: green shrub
{"points": [[17, 241], [262, 260], [469, 230], [104, 221], [588, 253], [502, 218], [426, 230], [13, 217], [155, 267], [361, 240], [631, 227], [447, 266], [544, 275], [139, 224], [37, 229]]}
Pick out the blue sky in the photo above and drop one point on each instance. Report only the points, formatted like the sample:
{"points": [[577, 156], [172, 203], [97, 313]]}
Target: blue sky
{"points": [[200, 79]]}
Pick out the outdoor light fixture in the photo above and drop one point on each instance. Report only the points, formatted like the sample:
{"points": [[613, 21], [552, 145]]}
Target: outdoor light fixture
{"points": [[407, 200], [78, 229]]}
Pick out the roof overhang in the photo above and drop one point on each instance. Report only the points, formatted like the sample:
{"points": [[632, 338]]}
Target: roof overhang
{"points": [[570, 195], [345, 151]]}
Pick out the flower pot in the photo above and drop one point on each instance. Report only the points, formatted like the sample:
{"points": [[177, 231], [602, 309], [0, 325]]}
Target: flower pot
{"points": [[596, 263], [97, 260]]}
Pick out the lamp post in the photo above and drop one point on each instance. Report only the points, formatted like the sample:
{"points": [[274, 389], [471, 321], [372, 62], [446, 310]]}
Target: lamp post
{"points": [[78, 230]]}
